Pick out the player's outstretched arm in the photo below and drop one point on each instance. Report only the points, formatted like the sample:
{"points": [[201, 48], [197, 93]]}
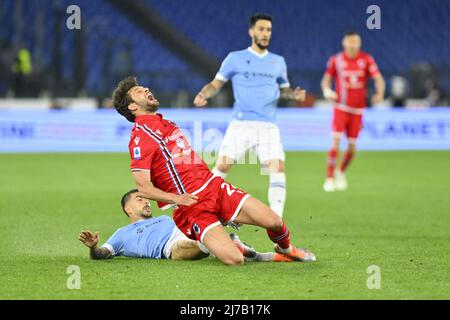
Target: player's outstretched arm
{"points": [[208, 91], [149, 191], [90, 240]]}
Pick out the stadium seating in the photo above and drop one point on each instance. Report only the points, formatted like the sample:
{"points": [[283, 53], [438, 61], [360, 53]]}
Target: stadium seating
{"points": [[306, 33]]}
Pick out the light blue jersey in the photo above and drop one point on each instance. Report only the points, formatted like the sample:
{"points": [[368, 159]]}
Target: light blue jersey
{"points": [[142, 239], [256, 79]]}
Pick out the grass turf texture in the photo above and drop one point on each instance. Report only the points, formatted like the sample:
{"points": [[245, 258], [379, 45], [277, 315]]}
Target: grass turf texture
{"points": [[394, 215]]}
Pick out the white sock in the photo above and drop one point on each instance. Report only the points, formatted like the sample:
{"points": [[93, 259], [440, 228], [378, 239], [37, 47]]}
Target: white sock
{"points": [[277, 192], [219, 173]]}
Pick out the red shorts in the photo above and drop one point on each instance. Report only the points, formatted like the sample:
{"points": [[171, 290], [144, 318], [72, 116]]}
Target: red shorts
{"points": [[219, 203], [346, 122]]}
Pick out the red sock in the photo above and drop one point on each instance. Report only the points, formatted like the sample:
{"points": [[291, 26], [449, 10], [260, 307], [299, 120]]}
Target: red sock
{"points": [[347, 159], [332, 156], [282, 237]]}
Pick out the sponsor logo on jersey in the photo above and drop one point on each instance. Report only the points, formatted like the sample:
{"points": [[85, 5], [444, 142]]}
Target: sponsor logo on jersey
{"points": [[180, 143], [136, 140], [361, 63]]}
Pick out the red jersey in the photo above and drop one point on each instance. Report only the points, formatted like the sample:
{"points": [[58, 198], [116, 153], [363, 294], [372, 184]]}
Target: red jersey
{"points": [[350, 78], [158, 145]]}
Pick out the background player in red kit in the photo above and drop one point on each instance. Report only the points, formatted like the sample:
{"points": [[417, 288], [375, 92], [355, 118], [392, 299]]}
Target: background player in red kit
{"points": [[166, 169], [350, 70]]}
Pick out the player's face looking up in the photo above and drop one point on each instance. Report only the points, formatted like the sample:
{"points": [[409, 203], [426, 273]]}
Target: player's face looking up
{"points": [[261, 33], [138, 207], [144, 98], [352, 45]]}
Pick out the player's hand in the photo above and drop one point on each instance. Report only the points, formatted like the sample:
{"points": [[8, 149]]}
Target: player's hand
{"points": [[89, 239], [299, 94], [376, 99], [185, 199], [200, 100], [330, 94]]}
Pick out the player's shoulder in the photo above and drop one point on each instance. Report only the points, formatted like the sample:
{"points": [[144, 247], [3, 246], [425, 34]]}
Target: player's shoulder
{"points": [[365, 55], [139, 134], [237, 53], [276, 56]]}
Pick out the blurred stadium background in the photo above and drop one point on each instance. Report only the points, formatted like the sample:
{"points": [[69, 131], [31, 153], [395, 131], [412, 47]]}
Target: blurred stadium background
{"points": [[55, 85], [176, 47]]}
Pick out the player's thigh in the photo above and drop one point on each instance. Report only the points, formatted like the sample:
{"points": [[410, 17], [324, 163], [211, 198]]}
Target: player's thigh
{"points": [[220, 245], [339, 122], [354, 128], [269, 147], [255, 212], [235, 143], [186, 250]]}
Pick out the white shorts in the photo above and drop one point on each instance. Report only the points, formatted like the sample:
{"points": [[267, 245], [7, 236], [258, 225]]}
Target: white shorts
{"points": [[176, 235], [262, 137]]}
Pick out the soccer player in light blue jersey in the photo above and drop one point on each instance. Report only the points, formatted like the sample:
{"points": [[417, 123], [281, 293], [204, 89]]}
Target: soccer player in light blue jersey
{"points": [[145, 237], [158, 238], [259, 79]]}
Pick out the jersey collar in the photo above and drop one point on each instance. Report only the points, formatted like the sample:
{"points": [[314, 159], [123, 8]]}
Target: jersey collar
{"points": [[259, 55]]}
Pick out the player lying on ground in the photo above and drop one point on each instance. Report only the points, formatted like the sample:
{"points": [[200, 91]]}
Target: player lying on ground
{"points": [[157, 238], [166, 169]]}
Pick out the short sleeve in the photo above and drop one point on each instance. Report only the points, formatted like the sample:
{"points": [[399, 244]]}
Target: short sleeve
{"points": [[283, 80], [227, 69], [142, 150], [372, 67], [114, 244], [331, 67]]}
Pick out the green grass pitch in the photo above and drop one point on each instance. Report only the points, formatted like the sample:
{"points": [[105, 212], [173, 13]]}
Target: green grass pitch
{"points": [[395, 215]]}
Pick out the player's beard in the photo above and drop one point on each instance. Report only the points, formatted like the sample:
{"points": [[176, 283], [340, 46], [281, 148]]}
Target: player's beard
{"points": [[146, 212], [260, 45], [151, 106]]}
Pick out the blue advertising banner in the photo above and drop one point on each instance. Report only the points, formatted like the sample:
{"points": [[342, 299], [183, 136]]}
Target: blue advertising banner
{"points": [[301, 129]]}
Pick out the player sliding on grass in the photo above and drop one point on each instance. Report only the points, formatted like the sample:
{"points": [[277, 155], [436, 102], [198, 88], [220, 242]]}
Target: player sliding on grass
{"points": [[350, 70], [166, 169], [157, 238]]}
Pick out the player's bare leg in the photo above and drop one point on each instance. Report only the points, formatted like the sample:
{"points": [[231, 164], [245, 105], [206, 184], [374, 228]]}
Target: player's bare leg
{"points": [[329, 185], [277, 185], [223, 166], [187, 250], [222, 247], [341, 180], [256, 213]]}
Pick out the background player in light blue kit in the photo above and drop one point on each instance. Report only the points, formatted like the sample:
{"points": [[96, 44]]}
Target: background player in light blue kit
{"points": [[259, 79]]}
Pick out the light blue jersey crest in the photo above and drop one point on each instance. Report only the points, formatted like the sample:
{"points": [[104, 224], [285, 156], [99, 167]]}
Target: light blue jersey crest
{"points": [[256, 80], [142, 239]]}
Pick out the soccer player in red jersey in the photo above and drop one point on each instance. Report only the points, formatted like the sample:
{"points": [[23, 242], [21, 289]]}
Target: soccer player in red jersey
{"points": [[350, 70], [166, 169]]}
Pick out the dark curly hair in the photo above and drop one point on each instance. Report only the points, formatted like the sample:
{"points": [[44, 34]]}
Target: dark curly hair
{"points": [[121, 99], [125, 198], [259, 16]]}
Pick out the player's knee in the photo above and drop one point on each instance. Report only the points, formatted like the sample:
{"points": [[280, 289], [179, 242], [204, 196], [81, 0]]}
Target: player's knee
{"points": [[234, 259], [223, 167], [276, 223]]}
